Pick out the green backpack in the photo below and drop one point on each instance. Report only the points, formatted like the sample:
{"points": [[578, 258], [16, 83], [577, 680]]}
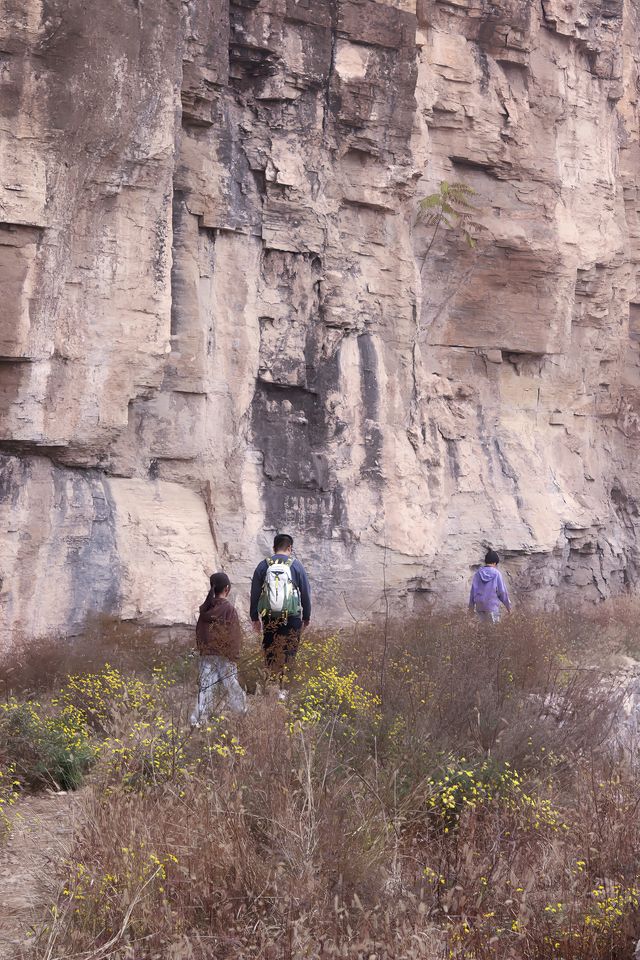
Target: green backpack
{"points": [[280, 597]]}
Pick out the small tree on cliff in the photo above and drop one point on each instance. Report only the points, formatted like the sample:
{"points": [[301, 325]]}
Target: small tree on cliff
{"points": [[450, 207]]}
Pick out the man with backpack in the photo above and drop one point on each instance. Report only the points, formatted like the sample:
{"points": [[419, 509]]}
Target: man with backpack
{"points": [[280, 603]]}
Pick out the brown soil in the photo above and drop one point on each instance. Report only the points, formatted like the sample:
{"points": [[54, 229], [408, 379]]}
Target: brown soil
{"points": [[42, 836]]}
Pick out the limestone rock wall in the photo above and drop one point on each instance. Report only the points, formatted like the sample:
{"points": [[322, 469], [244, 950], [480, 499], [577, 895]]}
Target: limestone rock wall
{"points": [[221, 315]]}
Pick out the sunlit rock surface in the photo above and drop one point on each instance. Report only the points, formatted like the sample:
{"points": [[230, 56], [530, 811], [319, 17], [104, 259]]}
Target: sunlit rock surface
{"points": [[220, 316]]}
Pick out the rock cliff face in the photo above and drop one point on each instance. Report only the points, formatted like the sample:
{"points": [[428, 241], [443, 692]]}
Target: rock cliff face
{"points": [[221, 315]]}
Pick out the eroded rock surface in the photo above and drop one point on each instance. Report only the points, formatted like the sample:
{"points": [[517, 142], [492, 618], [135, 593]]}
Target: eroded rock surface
{"points": [[220, 315]]}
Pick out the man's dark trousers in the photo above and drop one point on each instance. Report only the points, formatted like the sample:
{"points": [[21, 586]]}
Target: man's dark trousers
{"points": [[280, 641]]}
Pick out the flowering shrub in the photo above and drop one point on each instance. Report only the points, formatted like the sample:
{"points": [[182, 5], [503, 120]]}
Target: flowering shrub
{"points": [[464, 787], [331, 695], [8, 794], [96, 895], [218, 742], [590, 923], [152, 751], [609, 904], [323, 692], [591, 920], [45, 750], [101, 696]]}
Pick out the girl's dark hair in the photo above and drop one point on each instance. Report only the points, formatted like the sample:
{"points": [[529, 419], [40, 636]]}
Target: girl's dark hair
{"points": [[491, 557], [219, 583], [282, 541]]}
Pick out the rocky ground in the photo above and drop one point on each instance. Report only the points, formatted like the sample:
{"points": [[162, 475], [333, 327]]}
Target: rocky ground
{"points": [[30, 862]]}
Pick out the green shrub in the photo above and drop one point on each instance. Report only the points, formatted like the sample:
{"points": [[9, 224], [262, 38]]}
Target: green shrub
{"points": [[45, 750]]}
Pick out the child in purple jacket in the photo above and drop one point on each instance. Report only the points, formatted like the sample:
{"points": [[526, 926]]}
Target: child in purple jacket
{"points": [[488, 590]]}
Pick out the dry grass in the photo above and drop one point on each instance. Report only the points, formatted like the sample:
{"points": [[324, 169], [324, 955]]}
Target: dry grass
{"points": [[35, 669], [469, 800]]}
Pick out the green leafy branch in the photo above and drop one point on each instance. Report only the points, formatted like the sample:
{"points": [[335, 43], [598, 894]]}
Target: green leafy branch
{"points": [[451, 207]]}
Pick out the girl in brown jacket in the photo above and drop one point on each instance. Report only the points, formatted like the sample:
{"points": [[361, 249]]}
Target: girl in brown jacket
{"points": [[219, 639]]}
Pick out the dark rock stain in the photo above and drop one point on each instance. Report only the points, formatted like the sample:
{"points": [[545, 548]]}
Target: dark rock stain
{"points": [[91, 554], [371, 406]]}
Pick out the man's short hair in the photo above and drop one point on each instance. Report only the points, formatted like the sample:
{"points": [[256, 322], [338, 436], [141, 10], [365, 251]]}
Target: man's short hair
{"points": [[219, 582], [491, 557], [282, 541]]}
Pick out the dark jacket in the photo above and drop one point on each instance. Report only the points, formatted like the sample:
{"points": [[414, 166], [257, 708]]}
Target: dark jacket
{"points": [[218, 631], [298, 576]]}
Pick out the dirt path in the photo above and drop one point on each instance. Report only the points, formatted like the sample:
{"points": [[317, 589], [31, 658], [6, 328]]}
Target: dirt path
{"points": [[41, 838]]}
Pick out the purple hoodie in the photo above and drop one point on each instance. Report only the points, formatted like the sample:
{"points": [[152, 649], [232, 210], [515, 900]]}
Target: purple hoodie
{"points": [[487, 589]]}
